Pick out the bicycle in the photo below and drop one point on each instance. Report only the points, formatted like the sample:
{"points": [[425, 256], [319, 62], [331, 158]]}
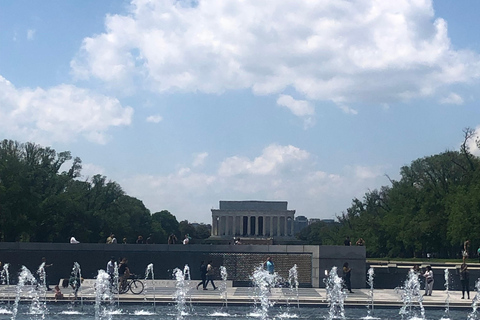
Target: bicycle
{"points": [[133, 284]]}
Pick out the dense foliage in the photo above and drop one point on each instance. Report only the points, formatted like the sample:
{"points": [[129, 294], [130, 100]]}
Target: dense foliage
{"points": [[39, 203], [433, 208]]}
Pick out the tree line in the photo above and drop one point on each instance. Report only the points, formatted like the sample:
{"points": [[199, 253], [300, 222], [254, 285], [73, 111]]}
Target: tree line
{"points": [[432, 209], [41, 203]]}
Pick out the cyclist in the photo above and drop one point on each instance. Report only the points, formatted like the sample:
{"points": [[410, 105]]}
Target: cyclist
{"points": [[123, 272]]}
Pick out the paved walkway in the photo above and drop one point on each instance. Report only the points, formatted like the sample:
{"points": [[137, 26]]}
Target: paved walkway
{"points": [[244, 295]]}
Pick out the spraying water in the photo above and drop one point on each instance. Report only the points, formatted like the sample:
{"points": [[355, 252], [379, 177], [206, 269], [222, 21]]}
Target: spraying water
{"points": [[25, 278], [411, 297], [149, 272], [5, 275], [76, 279], [293, 282], [474, 314], [371, 305], [335, 295], [223, 285], [447, 299], [103, 293], [182, 286], [263, 282]]}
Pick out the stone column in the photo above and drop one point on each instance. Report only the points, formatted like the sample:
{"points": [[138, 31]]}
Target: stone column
{"points": [[291, 227], [278, 226], [249, 225], [241, 226], [271, 226], [264, 226], [256, 225], [285, 227]]}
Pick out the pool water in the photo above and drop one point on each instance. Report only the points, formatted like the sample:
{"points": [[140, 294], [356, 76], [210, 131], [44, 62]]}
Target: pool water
{"points": [[160, 312]]}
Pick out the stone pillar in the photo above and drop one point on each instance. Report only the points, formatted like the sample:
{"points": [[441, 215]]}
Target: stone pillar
{"points": [[256, 225], [291, 227], [278, 226], [264, 226], [241, 226], [271, 226], [285, 232], [249, 225]]}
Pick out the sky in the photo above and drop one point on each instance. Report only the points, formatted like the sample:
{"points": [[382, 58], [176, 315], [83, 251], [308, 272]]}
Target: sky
{"points": [[186, 103]]}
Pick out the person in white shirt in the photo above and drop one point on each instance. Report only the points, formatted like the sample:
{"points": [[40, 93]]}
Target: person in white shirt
{"points": [[73, 240]]}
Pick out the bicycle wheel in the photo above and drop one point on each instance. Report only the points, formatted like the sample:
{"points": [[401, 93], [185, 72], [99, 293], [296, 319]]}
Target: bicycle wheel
{"points": [[136, 286]]}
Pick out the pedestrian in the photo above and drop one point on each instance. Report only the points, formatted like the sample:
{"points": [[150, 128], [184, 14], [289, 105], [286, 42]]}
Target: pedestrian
{"points": [[203, 275], [172, 239], [187, 239], [114, 240], [347, 272], [464, 280], [111, 267], [210, 275], [139, 240], [428, 281], [58, 293], [269, 265], [347, 241], [360, 242], [124, 241], [149, 239]]}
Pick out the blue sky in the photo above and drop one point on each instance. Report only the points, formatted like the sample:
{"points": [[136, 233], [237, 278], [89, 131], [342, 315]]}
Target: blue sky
{"points": [[186, 103]]}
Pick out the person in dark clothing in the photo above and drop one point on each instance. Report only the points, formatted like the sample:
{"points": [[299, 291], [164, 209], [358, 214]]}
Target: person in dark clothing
{"points": [[347, 271], [203, 275], [464, 279], [210, 275], [347, 241]]}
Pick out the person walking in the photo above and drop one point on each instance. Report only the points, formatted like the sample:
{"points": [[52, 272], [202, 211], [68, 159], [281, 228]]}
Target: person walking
{"points": [[210, 275], [203, 275], [347, 272], [428, 281], [269, 265], [464, 280]]}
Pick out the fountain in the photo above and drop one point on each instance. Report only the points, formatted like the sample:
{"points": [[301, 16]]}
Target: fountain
{"points": [[446, 315], [149, 272], [25, 280], [103, 293], [474, 314], [411, 297], [335, 294], [293, 282], [263, 282], [371, 305], [223, 285], [182, 289]]}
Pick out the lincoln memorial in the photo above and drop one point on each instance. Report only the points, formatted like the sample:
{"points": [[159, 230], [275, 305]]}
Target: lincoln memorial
{"points": [[253, 219]]}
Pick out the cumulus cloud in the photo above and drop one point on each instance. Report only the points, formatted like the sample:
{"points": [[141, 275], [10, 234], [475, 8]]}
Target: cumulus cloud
{"points": [[273, 159], [277, 173], [61, 113], [342, 51], [154, 118], [452, 98]]}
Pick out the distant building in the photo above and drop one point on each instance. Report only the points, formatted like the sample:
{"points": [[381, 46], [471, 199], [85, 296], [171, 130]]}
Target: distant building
{"points": [[313, 220], [253, 219], [300, 223]]}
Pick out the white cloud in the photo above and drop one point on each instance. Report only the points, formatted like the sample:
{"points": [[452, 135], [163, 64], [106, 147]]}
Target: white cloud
{"points": [[154, 118], [347, 109], [342, 51], [60, 113], [452, 98], [278, 173], [30, 34], [300, 108], [273, 158], [200, 159]]}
